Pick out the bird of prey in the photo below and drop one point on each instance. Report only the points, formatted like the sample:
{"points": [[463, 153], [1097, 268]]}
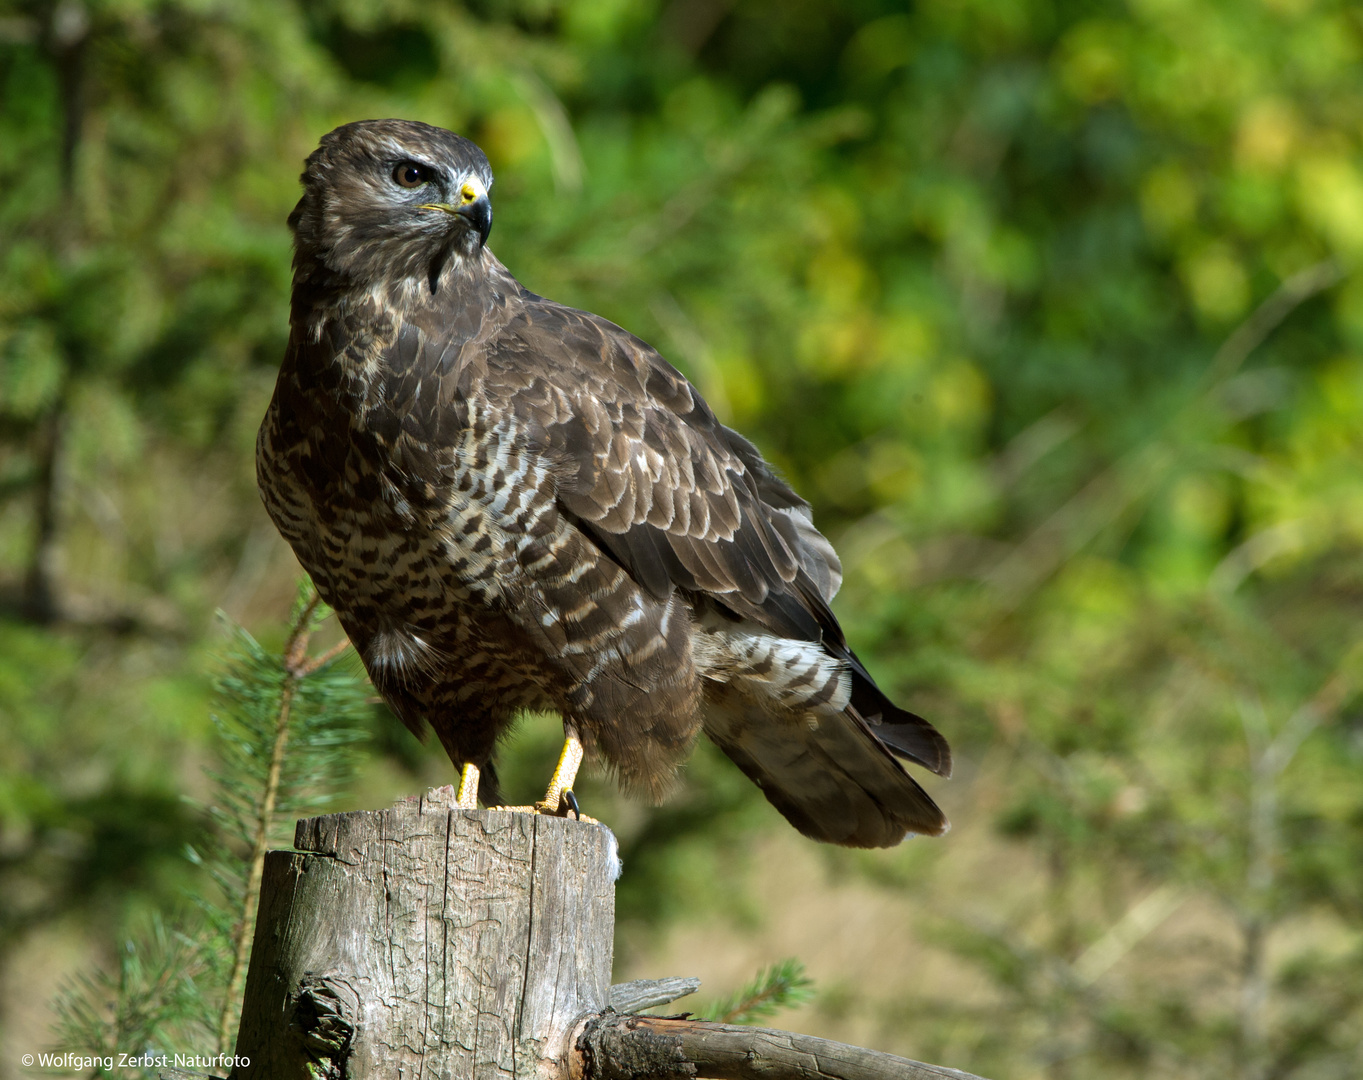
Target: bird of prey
{"points": [[515, 505]]}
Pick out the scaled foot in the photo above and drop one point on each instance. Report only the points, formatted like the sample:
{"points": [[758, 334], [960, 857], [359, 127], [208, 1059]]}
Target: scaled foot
{"points": [[559, 800]]}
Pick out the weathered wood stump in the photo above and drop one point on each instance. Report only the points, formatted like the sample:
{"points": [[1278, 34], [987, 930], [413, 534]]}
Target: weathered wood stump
{"points": [[429, 942]]}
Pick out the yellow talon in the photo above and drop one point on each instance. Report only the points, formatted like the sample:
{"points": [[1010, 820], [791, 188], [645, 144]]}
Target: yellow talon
{"points": [[569, 761]]}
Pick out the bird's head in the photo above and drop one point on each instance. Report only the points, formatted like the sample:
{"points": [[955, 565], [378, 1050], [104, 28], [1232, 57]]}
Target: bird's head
{"points": [[387, 200]]}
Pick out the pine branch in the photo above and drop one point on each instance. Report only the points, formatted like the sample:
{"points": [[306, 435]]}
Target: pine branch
{"points": [[782, 986], [157, 983], [287, 723], [296, 667]]}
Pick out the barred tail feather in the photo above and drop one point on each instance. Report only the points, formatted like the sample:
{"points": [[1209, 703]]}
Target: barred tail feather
{"points": [[824, 771]]}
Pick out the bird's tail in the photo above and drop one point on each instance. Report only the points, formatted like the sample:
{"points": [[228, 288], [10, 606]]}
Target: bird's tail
{"points": [[825, 771]]}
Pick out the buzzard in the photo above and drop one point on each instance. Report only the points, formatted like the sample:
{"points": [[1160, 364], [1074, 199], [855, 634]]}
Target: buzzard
{"points": [[512, 505]]}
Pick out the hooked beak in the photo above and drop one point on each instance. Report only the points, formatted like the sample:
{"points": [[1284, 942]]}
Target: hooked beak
{"points": [[473, 206]]}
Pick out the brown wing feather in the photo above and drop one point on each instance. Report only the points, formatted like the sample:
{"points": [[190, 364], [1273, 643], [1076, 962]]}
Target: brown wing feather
{"points": [[652, 475], [680, 501]]}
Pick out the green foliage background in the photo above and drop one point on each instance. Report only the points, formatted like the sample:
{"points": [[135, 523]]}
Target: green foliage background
{"points": [[1051, 307]]}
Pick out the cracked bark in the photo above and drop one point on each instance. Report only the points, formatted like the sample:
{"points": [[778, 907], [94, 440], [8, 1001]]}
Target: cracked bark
{"points": [[427, 941], [615, 1046]]}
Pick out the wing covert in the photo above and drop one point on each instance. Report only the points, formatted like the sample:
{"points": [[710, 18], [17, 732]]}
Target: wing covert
{"points": [[656, 480]]}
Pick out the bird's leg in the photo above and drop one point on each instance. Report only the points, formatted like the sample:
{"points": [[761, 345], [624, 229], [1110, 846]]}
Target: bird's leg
{"points": [[468, 787], [561, 783]]}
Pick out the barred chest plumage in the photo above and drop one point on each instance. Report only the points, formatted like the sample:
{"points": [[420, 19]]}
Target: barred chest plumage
{"points": [[393, 527]]}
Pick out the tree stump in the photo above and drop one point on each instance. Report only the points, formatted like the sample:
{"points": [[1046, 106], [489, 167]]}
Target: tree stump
{"points": [[429, 942]]}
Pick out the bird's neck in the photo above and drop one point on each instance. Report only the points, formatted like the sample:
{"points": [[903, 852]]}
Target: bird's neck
{"points": [[321, 294], [358, 342]]}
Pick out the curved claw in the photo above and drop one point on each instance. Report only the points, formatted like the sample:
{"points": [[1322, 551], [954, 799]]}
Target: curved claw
{"points": [[548, 811], [564, 774], [559, 799]]}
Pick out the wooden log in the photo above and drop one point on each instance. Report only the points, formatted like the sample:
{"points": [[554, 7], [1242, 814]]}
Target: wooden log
{"points": [[619, 1047], [429, 942], [633, 997]]}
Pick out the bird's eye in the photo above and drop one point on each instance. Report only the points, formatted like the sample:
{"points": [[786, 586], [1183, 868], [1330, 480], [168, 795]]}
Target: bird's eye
{"points": [[411, 175]]}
